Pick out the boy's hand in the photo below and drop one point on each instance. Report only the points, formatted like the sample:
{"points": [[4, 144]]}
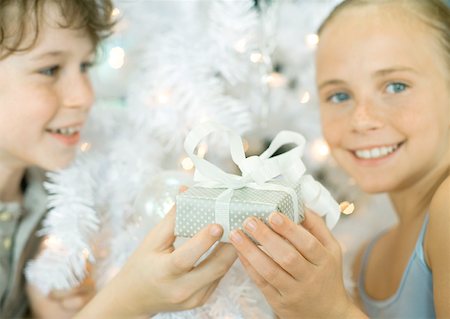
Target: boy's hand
{"points": [[60, 304], [159, 278]]}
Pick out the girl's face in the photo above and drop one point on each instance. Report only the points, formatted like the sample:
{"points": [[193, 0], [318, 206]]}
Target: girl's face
{"points": [[45, 95], [384, 94]]}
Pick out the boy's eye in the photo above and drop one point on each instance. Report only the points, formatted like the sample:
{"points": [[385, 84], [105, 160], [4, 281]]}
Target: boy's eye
{"points": [[396, 87], [338, 97], [50, 71], [84, 67]]}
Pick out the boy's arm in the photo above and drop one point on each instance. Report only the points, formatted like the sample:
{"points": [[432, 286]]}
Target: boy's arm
{"points": [[437, 248]]}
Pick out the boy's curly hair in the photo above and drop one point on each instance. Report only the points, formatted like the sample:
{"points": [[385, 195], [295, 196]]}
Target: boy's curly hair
{"points": [[20, 17]]}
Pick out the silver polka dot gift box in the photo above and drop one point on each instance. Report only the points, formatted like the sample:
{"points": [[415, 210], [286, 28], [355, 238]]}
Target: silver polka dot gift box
{"points": [[268, 183]]}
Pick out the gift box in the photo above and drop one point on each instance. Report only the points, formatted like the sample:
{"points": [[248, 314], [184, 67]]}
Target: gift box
{"points": [[196, 207], [267, 183]]}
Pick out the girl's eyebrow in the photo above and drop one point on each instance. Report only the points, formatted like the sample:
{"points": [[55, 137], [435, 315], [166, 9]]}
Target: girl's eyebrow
{"points": [[331, 82], [384, 72]]}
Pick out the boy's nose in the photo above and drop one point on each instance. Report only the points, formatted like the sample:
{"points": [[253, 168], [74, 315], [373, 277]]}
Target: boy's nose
{"points": [[78, 93], [365, 118]]}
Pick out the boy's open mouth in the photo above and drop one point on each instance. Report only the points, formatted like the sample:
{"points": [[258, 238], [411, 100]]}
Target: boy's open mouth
{"points": [[66, 131]]}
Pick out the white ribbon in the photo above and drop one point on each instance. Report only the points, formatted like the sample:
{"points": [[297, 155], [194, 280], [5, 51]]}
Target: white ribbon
{"points": [[257, 171]]}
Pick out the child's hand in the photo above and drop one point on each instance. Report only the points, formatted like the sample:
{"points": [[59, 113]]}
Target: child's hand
{"points": [[159, 278], [301, 272], [60, 304]]}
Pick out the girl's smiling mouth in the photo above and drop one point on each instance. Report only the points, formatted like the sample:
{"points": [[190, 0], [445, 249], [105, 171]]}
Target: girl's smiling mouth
{"points": [[376, 152]]}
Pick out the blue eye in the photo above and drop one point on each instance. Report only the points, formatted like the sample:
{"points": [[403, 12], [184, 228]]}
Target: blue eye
{"points": [[50, 71], [339, 97], [396, 87]]}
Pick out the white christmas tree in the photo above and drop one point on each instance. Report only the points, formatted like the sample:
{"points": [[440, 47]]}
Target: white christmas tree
{"points": [[170, 66]]}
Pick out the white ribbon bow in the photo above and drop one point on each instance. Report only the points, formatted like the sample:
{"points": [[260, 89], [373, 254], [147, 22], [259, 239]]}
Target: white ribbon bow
{"points": [[257, 171]]}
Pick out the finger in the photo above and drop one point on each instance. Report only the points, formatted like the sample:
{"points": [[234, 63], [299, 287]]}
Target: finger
{"points": [[317, 227], [281, 251], [268, 291], [214, 267], [161, 237], [301, 239], [263, 264], [186, 256]]}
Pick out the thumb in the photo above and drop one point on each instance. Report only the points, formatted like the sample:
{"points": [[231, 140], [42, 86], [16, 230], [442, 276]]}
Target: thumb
{"points": [[161, 237]]}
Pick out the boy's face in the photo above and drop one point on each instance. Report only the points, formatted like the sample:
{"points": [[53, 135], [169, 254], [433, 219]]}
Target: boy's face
{"points": [[384, 97], [45, 96]]}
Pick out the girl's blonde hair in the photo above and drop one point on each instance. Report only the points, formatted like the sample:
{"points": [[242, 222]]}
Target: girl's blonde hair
{"points": [[434, 13], [20, 17]]}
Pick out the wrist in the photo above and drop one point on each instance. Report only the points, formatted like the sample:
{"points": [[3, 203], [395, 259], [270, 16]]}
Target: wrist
{"points": [[350, 311], [114, 301]]}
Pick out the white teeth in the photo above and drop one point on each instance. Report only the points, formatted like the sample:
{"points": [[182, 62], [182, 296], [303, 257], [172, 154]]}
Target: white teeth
{"points": [[65, 130], [376, 152]]}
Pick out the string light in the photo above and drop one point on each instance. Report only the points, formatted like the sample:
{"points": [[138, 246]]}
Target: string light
{"points": [[275, 80], [241, 45], [116, 57], [311, 40], [319, 150], [187, 164], [305, 97], [115, 13], [202, 149], [256, 57], [84, 147], [245, 144], [163, 96]]}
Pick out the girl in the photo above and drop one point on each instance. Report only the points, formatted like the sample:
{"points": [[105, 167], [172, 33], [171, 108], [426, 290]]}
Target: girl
{"points": [[46, 48], [384, 85]]}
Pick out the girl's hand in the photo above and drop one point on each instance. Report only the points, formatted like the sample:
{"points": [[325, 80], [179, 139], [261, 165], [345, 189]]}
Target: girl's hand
{"points": [[298, 267], [159, 278], [60, 304]]}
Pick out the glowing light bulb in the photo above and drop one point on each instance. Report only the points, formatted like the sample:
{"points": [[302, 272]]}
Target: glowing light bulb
{"points": [[163, 97], [84, 147], [275, 80], [319, 150], [241, 45], [245, 144], [85, 253], [116, 57], [256, 57], [187, 164], [202, 149], [311, 40], [115, 12], [305, 97]]}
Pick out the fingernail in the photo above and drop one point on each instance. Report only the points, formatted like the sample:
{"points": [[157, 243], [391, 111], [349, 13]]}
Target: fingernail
{"points": [[215, 230], [276, 218], [250, 224], [235, 237]]}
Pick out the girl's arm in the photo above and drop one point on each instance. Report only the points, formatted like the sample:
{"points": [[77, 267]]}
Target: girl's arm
{"points": [[437, 248], [298, 267]]}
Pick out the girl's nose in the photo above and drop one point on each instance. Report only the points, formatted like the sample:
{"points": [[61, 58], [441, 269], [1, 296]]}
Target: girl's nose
{"points": [[78, 92], [365, 118]]}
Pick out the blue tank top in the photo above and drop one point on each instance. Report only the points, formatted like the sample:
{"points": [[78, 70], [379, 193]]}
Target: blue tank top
{"points": [[414, 296]]}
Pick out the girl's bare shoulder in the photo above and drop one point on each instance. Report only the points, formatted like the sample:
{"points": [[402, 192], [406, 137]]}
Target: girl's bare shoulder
{"points": [[440, 203], [438, 235]]}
